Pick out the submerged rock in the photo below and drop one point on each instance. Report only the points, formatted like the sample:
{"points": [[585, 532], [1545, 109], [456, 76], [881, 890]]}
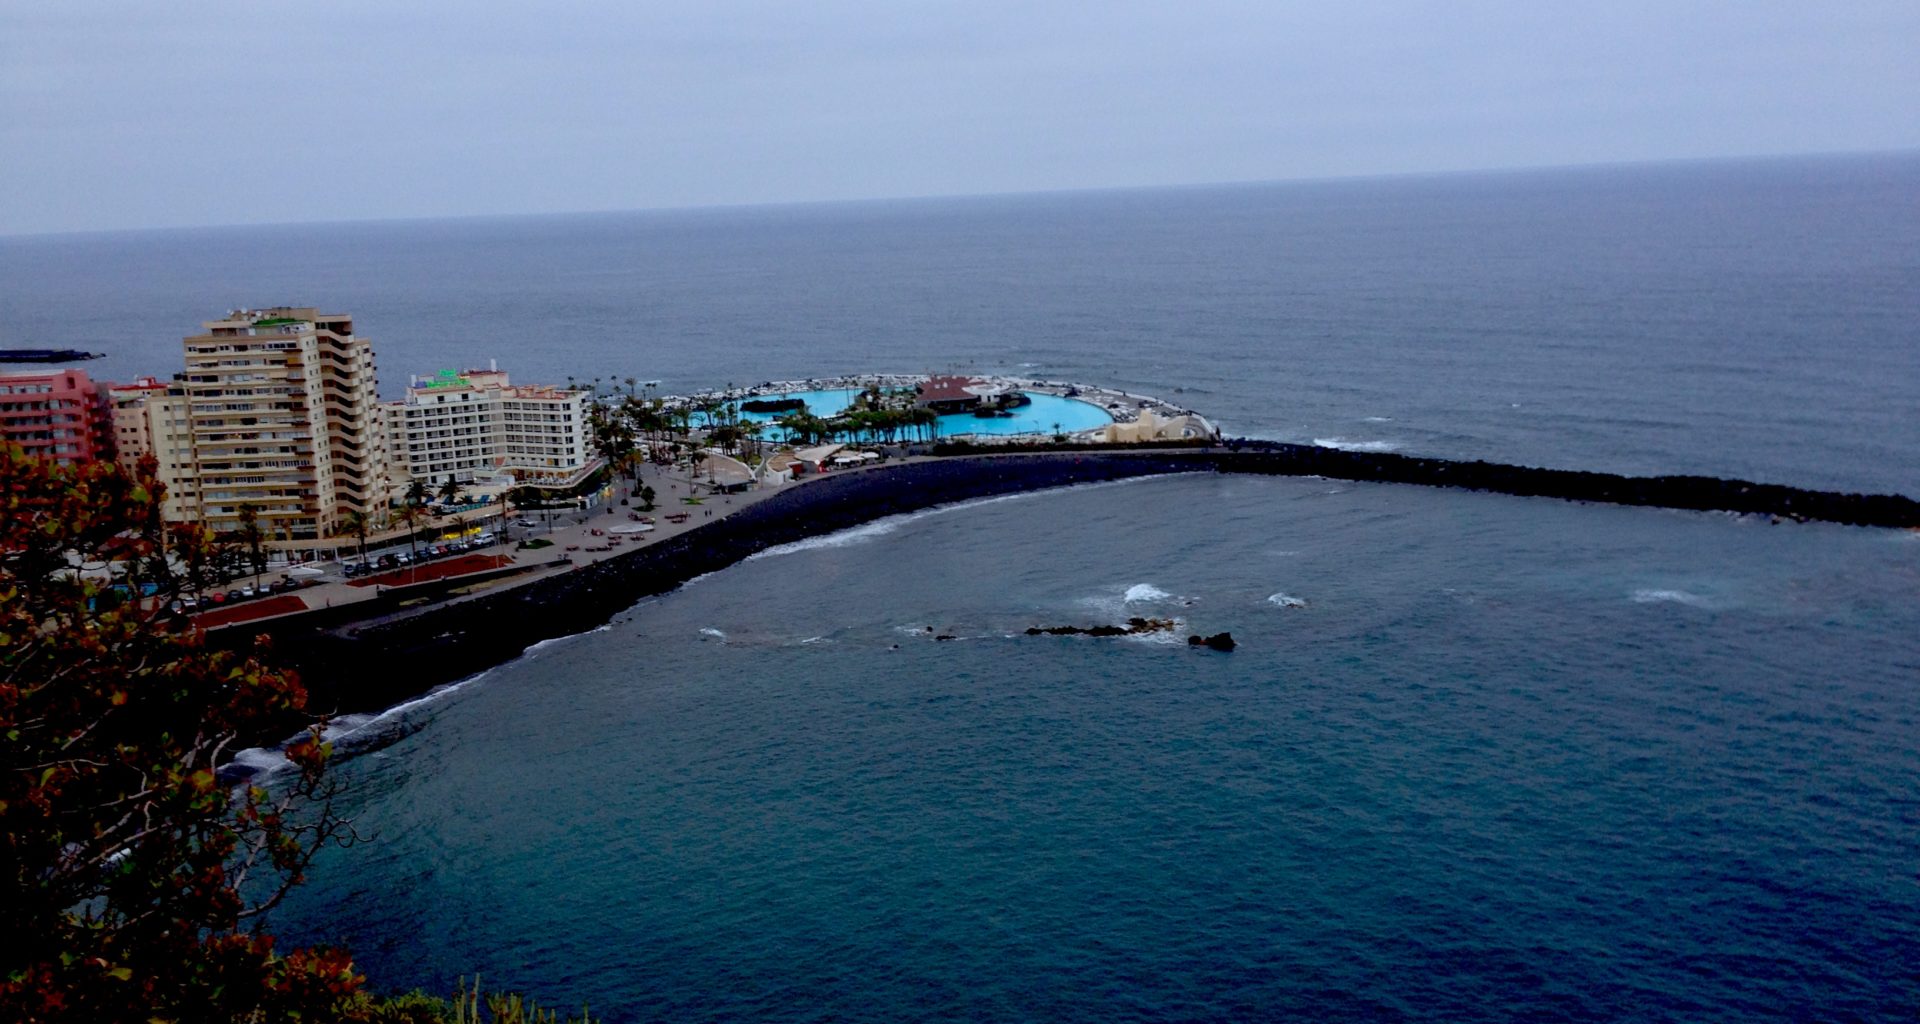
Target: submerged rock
{"points": [[1134, 626], [1218, 641]]}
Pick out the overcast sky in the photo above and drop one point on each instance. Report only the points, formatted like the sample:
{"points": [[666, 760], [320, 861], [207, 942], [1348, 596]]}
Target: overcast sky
{"points": [[140, 114]]}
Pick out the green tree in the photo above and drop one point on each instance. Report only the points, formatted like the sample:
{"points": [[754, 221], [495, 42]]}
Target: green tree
{"points": [[355, 523], [411, 514], [128, 870], [254, 539]]}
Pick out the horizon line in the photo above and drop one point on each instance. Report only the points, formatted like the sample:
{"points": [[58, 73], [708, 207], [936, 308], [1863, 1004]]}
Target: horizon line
{"points": [[929, 197]]}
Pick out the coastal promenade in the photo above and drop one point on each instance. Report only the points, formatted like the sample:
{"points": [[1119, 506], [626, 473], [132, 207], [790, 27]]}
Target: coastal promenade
{"points": [[358, 655]]}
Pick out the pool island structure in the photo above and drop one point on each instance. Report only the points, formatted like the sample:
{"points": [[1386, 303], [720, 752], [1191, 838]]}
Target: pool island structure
{"points": [[952, 406]]}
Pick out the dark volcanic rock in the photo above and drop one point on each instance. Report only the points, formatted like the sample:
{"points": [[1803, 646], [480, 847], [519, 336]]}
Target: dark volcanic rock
{"points": [[765, 405], [1134, 625], [1218, 641]]}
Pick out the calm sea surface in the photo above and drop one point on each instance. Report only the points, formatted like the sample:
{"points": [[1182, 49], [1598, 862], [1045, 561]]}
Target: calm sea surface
{"points": [[1476, 757], [1759, 320]]}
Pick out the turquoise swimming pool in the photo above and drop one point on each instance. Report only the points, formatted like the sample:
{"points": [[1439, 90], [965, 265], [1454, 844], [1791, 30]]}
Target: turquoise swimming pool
{"points": [[1045, 414]]}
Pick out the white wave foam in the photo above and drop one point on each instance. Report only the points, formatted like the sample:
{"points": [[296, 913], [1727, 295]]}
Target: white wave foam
{"points": [[814, 640], [262, 761], [881, 527], [1287, 600], [1379, 419], [1356, 446], [1659, 596], [712, 632], [1145, 592], [555, 641], [349, 732], [840, 539]]}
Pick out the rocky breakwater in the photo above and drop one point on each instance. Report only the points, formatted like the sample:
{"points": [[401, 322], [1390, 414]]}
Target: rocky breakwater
{"points": [[1697, 493]]}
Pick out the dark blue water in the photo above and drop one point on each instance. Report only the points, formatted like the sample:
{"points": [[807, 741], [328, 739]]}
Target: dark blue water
{"points": [[1476, 758], [1745, 319]]}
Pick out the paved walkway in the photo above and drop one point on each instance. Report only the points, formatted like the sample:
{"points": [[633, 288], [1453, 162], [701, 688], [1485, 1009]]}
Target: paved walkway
{"points": [[571, 533]]}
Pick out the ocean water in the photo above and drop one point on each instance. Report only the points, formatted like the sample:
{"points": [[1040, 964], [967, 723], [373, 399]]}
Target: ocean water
{"points": [[1476, 757], [1751, 319]]}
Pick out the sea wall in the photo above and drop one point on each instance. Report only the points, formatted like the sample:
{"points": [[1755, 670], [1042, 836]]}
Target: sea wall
{"points": [[379, 662], [1701, 493]]}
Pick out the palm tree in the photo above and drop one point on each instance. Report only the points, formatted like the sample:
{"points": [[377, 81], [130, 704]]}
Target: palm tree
{"points": [[449, 490], [355, 522], [251, 535], [409, 514]]}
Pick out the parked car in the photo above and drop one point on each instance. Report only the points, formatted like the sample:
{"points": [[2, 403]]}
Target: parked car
{"points": [[388, 561]]}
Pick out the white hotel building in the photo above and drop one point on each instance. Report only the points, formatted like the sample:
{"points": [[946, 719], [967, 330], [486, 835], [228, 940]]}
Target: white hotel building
{"points": [[475, 424]]}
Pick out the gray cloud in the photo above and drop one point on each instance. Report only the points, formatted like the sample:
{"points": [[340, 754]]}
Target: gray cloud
{"points": [[121, 115]]}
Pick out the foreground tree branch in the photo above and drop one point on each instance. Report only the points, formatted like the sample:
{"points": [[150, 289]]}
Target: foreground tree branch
{"points": [[126, 866]]}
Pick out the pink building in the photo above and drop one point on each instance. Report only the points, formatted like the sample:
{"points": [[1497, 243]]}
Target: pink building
{"points": [[60, 414]]}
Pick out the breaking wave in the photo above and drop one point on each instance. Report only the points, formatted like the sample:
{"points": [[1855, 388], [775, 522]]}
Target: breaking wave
{"points": [[1356, 446], [1145, 592], [1654, 596]]}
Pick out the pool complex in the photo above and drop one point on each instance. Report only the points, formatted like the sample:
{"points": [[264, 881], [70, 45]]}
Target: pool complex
{"points": [[1038, 417]]}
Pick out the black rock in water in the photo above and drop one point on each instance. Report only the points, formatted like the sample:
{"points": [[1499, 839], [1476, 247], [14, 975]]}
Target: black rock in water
{"points": [[1218, 641]]}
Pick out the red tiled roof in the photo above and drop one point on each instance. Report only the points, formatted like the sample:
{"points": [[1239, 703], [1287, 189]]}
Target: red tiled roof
{"points": [[949, 389]]}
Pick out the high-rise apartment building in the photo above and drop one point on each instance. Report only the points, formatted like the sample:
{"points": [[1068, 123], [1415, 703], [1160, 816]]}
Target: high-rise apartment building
{"points": [[283, 416], [150, 418], [59, 414], [464, 425]]}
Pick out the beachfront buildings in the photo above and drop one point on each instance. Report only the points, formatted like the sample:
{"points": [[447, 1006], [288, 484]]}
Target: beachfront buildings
{"points": [[150, 419], [281, 415], [465, 426], [59, 414]]}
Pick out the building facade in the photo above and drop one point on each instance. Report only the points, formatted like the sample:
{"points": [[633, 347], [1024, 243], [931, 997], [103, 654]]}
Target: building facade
{"points": [[58, 414], [462, 426], [283, 416], [150, 419]]}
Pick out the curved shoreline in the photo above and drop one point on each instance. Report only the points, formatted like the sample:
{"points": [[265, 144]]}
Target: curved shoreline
{"points": [[375, 664]]}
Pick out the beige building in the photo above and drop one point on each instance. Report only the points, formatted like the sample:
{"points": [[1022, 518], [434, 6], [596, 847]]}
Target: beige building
{"points": [[150, 418], [475, 424], [282, 415]]}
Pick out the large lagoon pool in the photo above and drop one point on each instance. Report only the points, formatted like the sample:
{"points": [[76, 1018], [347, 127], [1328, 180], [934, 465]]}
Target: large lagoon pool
{"points": [[1045, 415]]}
